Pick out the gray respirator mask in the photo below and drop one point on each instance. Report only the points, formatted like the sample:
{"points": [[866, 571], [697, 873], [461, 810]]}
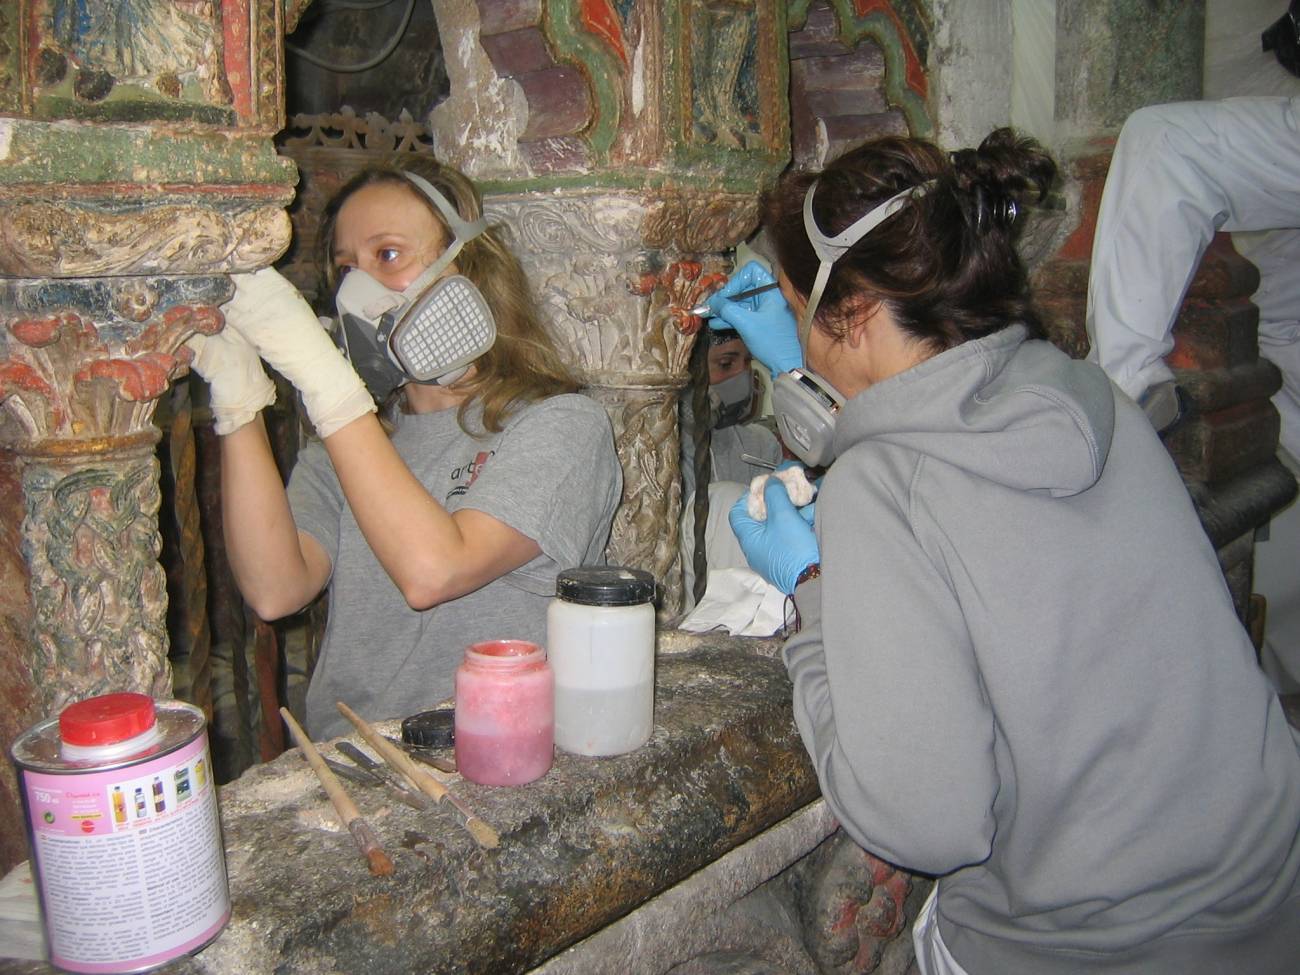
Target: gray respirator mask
{"points": [[807, 405], [428, 333], [732, 400]]}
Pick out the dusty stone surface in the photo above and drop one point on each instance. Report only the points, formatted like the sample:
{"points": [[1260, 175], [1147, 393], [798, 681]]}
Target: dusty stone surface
{"points": [[584, 845]]}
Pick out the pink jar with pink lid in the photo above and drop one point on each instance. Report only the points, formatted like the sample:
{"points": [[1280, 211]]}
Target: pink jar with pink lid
{"points": [[505, 713]]}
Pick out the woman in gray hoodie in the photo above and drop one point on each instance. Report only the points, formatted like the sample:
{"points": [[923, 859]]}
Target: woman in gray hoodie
{"points": [[1019, 667]]}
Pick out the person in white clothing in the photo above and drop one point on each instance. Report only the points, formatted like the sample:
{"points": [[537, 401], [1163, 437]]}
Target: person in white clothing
{"points": [[1180, 173]]}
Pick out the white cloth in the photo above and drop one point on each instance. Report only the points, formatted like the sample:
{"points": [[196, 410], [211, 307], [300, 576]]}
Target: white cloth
{"points": [[736, 598], [739, 601], [1181, 172], [932, 955]]}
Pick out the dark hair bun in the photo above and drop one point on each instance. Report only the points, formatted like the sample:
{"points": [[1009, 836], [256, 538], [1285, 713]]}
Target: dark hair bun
{"points": [[988, 180]]}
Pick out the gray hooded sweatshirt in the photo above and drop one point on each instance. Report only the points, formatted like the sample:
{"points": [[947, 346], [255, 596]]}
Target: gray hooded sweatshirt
{"points": [[1021, 670]]}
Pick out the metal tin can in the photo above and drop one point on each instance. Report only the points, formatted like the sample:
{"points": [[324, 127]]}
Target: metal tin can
{"points": [[121, 813]]}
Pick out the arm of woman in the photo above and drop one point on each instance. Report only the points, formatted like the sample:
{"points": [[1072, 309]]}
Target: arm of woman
{"points": [[278, 569], [432, 555], [887, 695]]}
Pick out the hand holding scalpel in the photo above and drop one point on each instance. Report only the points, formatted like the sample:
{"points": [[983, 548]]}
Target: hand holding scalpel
{"points": [[703, 310]]}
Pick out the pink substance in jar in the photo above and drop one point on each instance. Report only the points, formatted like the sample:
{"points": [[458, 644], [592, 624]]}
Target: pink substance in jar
{"points": [[505, 713]]}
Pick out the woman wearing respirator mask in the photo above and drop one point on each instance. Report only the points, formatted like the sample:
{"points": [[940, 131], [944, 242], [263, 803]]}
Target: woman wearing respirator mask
{"points": [[1020, 668], [496, 476]]}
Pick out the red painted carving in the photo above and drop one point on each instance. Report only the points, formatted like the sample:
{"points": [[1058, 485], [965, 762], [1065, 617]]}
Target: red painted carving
{"points": [[139, 379], [600, 18], [40, 332], [686, 284], [914, 70], [19, 376], [853, 908], [237, 54], [54, 353]]}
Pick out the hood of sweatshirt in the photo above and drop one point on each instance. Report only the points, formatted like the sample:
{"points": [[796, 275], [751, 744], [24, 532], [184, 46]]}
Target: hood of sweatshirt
{"points": [[1016, 411]]}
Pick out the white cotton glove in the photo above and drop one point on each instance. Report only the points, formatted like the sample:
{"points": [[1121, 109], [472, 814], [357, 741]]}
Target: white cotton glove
{"points": [[268, 311], [237, 386]]}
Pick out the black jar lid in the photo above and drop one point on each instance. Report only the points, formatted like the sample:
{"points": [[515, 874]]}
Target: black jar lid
{"points": [[605, 585], [431, 729]]}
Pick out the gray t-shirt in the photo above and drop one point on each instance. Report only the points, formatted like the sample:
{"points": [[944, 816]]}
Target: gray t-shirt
{"points": [[552, 474]]}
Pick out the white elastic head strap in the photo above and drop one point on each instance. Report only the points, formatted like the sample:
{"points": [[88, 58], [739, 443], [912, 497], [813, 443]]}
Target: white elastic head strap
{"points": [[462, 232], [831, 249]]}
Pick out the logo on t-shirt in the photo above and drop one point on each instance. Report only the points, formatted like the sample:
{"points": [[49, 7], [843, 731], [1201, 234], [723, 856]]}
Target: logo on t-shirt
{"points": [[468, 473]]}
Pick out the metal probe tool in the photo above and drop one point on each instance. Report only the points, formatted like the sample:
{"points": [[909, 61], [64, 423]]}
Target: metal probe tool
{"points": [[702, 310]]}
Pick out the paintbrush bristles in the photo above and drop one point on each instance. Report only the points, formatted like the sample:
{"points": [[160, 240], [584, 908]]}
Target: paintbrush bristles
{"points": [[380, 865], [484, 835], [376, 859]]}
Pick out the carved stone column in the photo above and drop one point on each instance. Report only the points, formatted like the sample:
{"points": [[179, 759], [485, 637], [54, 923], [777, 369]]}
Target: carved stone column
{"points": [[136, 172], [625, 145]]}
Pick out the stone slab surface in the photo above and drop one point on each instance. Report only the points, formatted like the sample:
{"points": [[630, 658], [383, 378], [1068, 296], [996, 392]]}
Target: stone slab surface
{"points": [[584, 845]]}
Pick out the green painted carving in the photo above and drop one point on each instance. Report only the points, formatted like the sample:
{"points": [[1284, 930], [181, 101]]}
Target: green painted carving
{"points": [[91, 540], [568, 30], [50, 154], [900, 29]]}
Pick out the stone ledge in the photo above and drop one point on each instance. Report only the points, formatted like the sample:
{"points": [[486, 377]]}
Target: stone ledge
{"points": [[583, 846]]}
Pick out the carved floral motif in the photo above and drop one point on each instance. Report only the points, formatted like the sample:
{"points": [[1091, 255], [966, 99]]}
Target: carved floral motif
{"points": [[345, 129]]}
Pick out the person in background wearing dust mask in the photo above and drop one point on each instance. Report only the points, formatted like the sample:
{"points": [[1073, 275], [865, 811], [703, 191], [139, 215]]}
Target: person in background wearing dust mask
{"points": [[999, 678], [740, 448], [496, 476]]}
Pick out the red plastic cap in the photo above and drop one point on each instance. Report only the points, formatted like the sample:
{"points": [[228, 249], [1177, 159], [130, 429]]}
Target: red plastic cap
{"points": [[107, 719]]}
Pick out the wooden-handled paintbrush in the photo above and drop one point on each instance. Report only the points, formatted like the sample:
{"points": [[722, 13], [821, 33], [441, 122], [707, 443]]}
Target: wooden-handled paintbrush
{"points": [[378, 861], [484, 835]]}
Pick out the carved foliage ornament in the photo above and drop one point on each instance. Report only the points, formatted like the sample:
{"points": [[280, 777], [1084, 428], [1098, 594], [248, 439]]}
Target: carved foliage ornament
{"points": [[59, 239], [90, 360], [345, 129]]}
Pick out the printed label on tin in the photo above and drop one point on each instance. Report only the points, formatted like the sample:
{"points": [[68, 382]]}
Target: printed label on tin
{"points": [[130, 861]]}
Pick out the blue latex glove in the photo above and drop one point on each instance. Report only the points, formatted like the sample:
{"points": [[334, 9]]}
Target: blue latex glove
{"points": [[765, 321], [781, 547]]}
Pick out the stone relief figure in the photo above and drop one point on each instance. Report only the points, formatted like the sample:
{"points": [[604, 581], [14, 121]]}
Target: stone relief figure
{"points": [[173, 46]]}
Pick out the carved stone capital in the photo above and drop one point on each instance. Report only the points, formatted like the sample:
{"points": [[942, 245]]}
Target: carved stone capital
{"points": [[618, 305], [89, 358]]}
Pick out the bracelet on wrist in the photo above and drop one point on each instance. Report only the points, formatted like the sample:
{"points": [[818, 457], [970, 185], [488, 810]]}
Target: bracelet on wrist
{"points": [[812, 571]]}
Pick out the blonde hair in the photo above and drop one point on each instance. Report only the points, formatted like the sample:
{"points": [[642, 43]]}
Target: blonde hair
{"points": [[523, 364]]}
